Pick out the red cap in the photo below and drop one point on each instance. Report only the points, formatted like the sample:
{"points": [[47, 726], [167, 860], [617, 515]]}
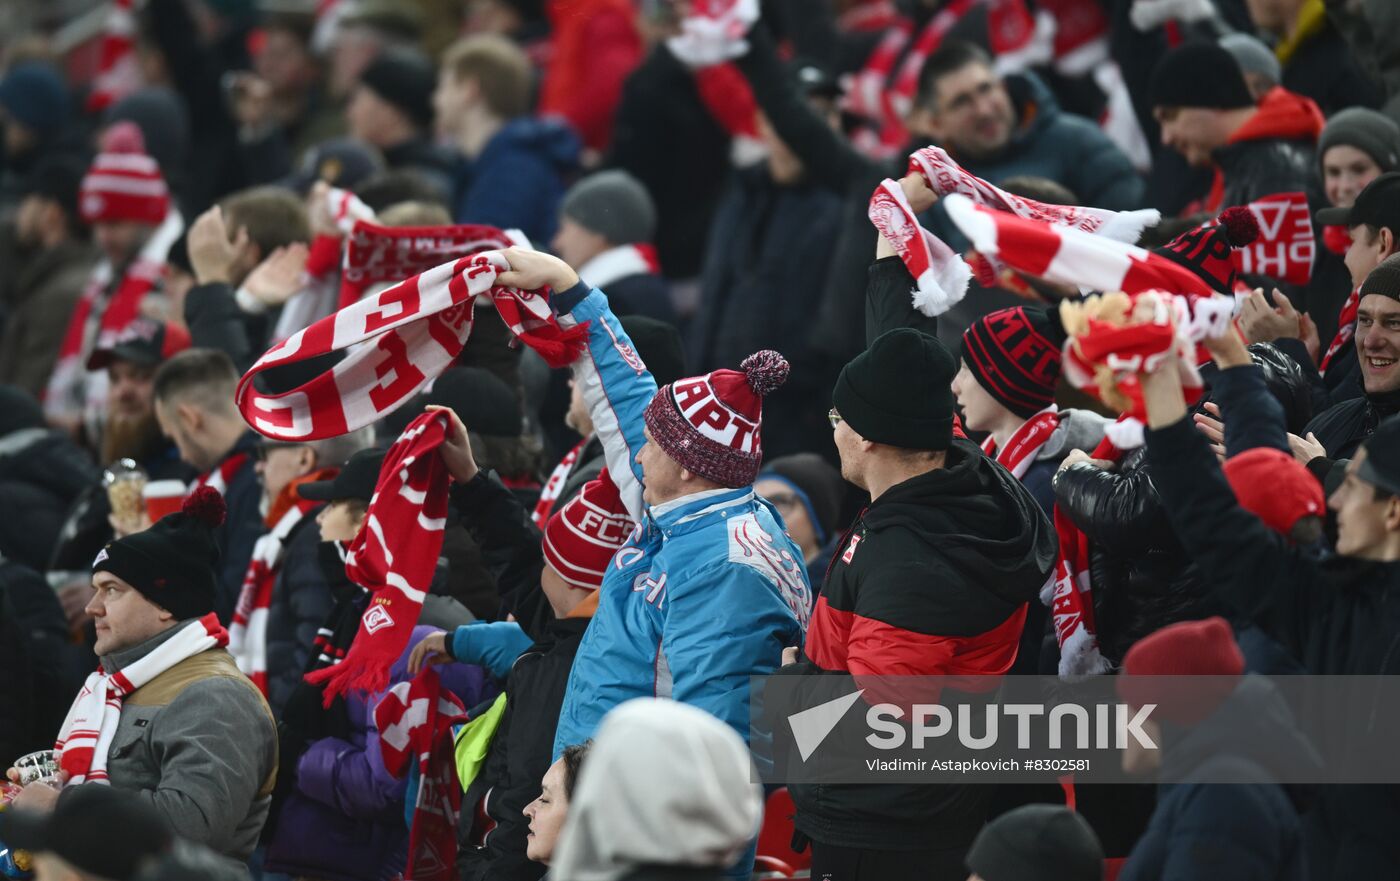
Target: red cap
{"points": [[581, 538], [1188, 648], [1275, 487], [123, 183]]}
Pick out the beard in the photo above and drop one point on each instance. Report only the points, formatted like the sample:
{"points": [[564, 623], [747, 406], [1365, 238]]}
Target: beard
{"points": [[133, 437]]}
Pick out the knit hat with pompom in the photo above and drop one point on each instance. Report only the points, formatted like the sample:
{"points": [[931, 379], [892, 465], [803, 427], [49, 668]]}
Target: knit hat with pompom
{"points": [[710, 424], [172, 563], [1208, 250], [124, 182]]}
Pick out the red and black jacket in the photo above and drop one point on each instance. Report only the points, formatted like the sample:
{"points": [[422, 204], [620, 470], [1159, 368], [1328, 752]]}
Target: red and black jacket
{"points": [[932, 579]]}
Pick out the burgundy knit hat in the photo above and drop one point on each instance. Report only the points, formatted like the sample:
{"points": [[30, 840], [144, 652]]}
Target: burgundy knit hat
{"points": [[1015, 355], [1207, 250], [123, 182], [581, 538], [1204, 650], [710, 424], [1275, 487]]}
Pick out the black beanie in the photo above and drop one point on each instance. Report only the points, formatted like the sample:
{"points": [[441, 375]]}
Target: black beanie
{"points": [[819, 485], [172, 563], [1037, 843], [18, 410], [1381, 467], [481, 399], [406, 80], [1199, 74], [659, 345], [899, 391], [1015, 355]]}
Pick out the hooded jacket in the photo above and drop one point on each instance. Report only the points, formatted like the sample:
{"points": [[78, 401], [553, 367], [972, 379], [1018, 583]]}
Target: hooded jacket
{"points": [[1225, 815], [934, 578], [519, 178], [688, 609], [1273, 152]]}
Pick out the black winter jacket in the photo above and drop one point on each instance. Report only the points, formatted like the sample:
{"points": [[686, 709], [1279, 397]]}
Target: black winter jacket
{"points": [[1224, 815], [42, 473], [1335, 615], [522, 749], [301, 601]]}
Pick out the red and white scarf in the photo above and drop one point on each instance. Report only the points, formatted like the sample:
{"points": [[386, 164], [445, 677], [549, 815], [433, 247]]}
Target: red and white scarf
{"points": [[713, 32], [118, 71], [375, 254], [1049, 248], [394, 556], [621, 262], [1346, 328], [247, 633], [549, 493], [221, 475], [1020, 451], [87, 732], [398, 339], [940, 274], [1070, 594], [415, 721]]}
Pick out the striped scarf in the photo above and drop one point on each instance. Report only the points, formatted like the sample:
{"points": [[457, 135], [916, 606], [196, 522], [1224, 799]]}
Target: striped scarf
{"points": [[87, 732]]}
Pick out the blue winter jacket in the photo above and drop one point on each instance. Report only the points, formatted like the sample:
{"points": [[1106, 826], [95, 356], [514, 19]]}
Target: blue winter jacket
{"points": [[707, 591], [519, 178]]}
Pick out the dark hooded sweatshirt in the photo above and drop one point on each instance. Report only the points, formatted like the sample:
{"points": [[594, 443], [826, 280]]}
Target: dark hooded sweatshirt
{"points": [[932, 579]]}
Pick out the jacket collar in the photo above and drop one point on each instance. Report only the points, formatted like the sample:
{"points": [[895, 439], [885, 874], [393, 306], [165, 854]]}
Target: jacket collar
{"points": [[123, 658], [690, 512]]}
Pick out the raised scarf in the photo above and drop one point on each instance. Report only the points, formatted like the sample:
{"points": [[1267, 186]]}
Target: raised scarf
{"points": [[712, 33], [549, 493], [1021, 448], [394, 556], [375, 254], [247, 633], [118, 69], [415, 721], [1346, 328], [87, 732], [398, 340]]}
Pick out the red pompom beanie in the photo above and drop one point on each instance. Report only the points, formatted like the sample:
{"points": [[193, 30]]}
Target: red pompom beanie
{"points": [[581, 538], [1207, 251], [1204, 650], [123, 183], [710, 424], [1275, 487]]}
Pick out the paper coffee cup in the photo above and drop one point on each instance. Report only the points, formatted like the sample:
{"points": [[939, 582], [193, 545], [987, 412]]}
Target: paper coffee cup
{"points": [[163, 497]]}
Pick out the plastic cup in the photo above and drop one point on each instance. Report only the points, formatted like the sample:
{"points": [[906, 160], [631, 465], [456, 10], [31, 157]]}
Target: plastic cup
{"points": [[163, 497], [39, 767], [125, 482]]}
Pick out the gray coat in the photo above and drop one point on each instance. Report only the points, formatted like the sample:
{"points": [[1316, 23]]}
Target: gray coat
{"points": [[199, 742]]}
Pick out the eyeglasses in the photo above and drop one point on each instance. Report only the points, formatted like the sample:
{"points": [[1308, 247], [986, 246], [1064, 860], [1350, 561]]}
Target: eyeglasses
{"points": [[783, 500], [834, 418]]}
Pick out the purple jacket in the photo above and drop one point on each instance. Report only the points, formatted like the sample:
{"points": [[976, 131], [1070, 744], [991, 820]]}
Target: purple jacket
{"points": [[344, 821]]}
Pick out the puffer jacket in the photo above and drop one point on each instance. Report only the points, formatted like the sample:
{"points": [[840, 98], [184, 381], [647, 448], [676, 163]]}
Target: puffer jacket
{"points": [[692, 567], [1142, 578], [344, 820]]}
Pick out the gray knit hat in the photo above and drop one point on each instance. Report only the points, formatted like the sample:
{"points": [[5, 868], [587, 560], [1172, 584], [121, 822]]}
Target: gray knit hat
{"points": [[615, 205], [1373, 133], [1253, 56]]}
